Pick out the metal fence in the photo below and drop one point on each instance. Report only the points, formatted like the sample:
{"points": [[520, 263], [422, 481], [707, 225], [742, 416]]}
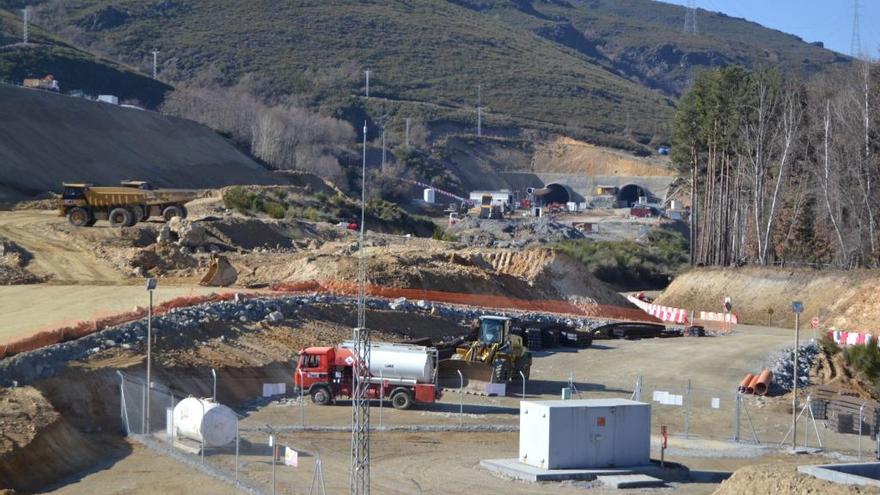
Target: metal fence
{"points": [[255, 461]]}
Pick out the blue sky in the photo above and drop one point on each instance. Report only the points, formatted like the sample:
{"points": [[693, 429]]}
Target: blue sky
{"points": [[829, 21]]}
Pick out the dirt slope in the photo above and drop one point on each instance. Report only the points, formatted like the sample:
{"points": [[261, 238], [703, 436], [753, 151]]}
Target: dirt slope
{"points": [[46, 139], [849, 300], [566, 155]]}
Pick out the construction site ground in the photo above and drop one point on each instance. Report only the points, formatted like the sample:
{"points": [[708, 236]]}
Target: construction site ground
{"points": [[70, 422]]}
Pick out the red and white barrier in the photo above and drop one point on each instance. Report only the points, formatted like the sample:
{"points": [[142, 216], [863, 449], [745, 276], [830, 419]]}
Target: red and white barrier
{"points": [[852, 338], [663, 313], [723, 317]]}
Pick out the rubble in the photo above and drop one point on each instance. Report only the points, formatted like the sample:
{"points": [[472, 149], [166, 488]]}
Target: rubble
{"points": [[513, 233], [781, 364], [43, 363]]}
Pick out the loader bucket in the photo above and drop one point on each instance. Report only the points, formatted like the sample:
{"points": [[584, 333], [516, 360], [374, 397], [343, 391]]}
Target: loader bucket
{"points": [[220, 274], [475, 374]]}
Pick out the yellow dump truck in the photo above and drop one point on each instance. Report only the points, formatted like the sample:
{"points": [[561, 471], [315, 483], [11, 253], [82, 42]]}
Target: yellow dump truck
{"points": [[167, 203], [85, 204]]}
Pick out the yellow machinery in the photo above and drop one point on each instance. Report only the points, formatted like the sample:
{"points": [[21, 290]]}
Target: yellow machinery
{"points": [[486, 210], [84, 204], [167, 203], [497, 356]]}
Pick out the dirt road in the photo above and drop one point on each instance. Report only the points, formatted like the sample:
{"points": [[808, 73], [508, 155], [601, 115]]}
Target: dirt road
{"points": [[54, 256]]}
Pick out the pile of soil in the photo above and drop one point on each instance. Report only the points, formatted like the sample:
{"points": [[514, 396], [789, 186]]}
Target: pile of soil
{"points": [[782, 479], [13, 263], [515, 232], [849, 300], [534, 274]]}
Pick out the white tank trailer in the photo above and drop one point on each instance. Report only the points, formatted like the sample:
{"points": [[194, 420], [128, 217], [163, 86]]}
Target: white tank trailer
{"points": [[205, 421], [403, 362]]}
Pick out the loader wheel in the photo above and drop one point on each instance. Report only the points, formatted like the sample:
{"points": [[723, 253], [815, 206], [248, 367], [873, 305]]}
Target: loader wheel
{"points": [[320, 396], [172, 211], [501, 371], [79, 217], [119, 217], [401, 399], [525, 365]]}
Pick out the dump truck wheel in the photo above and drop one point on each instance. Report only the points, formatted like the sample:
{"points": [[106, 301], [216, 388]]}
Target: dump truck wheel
{"points": [[79, 217], [136, 214], [401, 399], [145, 215], [119, 217], [184, 211], [320, 396], [92, 221], [502, 371], [172, 211]]}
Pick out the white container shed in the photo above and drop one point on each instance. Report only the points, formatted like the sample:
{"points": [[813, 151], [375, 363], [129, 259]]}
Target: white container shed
{"points": [[584, 434]]}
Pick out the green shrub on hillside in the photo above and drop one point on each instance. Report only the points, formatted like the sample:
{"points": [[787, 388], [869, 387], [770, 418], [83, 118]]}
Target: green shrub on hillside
{"points": [[629, 264]]}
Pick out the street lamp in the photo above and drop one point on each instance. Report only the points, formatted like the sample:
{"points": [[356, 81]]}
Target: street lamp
{"points": [[151, 286], [797, 308]]}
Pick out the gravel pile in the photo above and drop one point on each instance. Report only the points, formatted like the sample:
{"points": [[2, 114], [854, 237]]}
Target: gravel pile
{"points": [[181, 324], [781, 364]]}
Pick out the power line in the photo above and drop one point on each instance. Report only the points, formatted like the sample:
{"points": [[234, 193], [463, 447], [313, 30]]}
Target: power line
{"points": [[855, 47], [690, 17]]}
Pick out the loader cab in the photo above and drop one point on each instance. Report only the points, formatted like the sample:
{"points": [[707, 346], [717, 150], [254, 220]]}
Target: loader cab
{"points": [[494, 329]]}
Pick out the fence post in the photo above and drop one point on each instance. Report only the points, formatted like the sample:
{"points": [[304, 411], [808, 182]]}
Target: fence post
{"points": [[144, 410], [237, 439], [460, 398], [523, 375], [381, 395], [687, 409], [861, 410], [214, 375], [302, 399], [736, 416]]}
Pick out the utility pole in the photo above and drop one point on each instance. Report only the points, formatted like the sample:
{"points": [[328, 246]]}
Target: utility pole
{"points": [[26, 13], [367, 73], [855, 47], [151, 286], [690, 17], [155, 66], [359, 479], [479, 110], [383, 147], [797, 308], [407, 133]]}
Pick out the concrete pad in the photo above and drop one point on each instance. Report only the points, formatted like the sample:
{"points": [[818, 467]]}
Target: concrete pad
{"points": [[630, 481], [865, 473], [517, 470]]}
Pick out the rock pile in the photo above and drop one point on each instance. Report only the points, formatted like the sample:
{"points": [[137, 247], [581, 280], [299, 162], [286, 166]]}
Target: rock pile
{"points": [[513, 233], [781, 364], [181, 323]]}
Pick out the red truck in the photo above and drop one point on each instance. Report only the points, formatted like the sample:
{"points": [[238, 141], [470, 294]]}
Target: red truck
{"points": [[405, 374]]}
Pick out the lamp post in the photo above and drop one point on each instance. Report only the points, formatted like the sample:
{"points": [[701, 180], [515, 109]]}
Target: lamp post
{"points": [[797, 308], [151, 286]]}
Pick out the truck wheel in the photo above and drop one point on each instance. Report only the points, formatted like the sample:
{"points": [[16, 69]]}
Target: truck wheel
{"points": [[92, 221], [145, 213], [401, 399], [320, 396], [79, 217], [501, 371], [184, 211], [119, 217], [172, 211], [136, 214]]}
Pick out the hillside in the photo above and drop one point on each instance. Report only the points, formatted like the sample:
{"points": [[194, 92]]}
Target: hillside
{"points": [[601, 70], [47, 138], [75, 69]]}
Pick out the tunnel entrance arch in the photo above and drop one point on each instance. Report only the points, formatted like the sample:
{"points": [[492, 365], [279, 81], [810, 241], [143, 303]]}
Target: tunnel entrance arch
{"points": [[629, 194], [553, 193]]}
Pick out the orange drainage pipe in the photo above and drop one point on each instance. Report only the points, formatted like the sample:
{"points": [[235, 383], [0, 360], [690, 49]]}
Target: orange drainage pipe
{"points": [[744, 384], [762, 386], [750, 389]]}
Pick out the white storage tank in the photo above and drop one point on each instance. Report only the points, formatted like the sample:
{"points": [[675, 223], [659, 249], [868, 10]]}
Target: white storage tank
{"points": [[584, 434], [205, 421], [430, 195]]}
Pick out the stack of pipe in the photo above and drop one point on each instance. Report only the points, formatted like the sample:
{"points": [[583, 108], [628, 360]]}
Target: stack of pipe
{"points": [[756, 384]]}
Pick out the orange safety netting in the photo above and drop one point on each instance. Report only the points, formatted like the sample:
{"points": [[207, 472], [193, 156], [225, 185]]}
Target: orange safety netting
{"points": [[81, 329]]}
